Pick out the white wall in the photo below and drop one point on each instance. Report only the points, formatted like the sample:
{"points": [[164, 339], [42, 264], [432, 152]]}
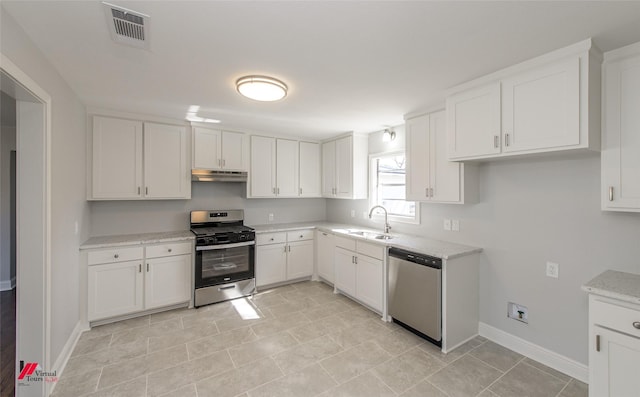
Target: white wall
{"points": [[532, 211], [68, 175], [124, 217], [7, 144]]}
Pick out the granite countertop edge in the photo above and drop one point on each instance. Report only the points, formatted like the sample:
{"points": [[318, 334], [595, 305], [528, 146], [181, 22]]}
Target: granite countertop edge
{"points": [[120, 240], [428, 246], [615, 284]]}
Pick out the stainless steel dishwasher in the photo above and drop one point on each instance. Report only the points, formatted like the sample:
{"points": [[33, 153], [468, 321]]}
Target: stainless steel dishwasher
{"points": [[415, 292]]}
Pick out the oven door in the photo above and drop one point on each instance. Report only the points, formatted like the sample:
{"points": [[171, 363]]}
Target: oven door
{"points": [[218, 264]]}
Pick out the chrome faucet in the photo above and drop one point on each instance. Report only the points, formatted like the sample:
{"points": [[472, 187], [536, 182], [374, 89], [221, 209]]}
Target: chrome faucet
{"points": [[387, 226]]}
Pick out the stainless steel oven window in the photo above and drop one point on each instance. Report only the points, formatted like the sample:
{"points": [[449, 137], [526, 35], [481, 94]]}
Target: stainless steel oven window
{"points": [[222, 262]]}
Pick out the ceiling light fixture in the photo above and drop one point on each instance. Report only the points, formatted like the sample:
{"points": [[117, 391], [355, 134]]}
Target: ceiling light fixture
{"points": [[388, 135], [261, 88]]}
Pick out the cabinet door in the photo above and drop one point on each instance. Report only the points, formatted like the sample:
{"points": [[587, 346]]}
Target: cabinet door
{"points": [[620, 142], [328, 169], [326, 246], [473, 122], [344, 167], [417, 153], [207, 150], [310, 170], [117, 158], [166, 172], [541, 108], [233, 151], [167, 281], [445, 175], [369, 281], [300, 259], [286, 168], [345, 271], [263, 166], [615, 367], [271, 264], [115, 289]]}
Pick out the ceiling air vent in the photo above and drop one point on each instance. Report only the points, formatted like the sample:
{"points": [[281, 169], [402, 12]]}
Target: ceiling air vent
{"points": [[127, 27]]}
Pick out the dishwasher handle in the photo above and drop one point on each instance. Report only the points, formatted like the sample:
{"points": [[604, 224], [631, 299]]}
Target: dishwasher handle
{"points": [[420, 259]]}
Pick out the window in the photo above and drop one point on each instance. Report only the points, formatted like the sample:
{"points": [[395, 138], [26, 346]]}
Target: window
{"points": [[388, 184]]}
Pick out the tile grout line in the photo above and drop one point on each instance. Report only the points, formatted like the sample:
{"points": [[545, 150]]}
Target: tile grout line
{"points": [[499, 377], [565, 386]]}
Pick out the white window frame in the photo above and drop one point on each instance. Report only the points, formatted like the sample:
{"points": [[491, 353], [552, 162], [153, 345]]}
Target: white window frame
{"points": [[379, 217]]}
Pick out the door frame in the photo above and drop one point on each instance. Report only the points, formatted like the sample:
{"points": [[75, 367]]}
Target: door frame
{"points": [[36, 115]]}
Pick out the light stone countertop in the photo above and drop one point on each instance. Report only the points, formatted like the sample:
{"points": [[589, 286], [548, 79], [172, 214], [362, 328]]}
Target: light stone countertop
{"points": [[136, 239], [437, 248], [617, 285]]}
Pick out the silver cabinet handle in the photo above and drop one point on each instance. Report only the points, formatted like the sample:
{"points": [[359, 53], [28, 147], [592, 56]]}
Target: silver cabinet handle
{"points": [[289, 248], [300, 191], [495, 141], [116, 256], [597, 343], [140, 268], [430, 192], [356, 259], [278, 190], [147, 268], [146, 190], [636, 324], [273, 190], [324, 234], [271, 239], [138, 190], [224, 162], [285, 248], [302, 235], [426, 192], [169, 250], [610, 193], [506, 139], [219, 163]]}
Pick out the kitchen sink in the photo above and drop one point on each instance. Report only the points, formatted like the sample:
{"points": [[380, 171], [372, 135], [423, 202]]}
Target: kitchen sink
{"points": [[369, 234], [356, 232], [383, 237]]}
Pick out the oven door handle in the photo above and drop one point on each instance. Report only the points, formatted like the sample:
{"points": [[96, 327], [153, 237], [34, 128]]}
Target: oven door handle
{"points": [[224, 246]]}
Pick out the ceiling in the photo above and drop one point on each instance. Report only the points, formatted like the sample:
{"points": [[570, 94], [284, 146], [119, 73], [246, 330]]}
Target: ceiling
{"points": [[350, 66]]}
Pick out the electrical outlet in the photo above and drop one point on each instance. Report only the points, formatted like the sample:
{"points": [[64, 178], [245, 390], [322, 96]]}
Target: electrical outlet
{"points": [[455, 225], [518, 312], [447, 224], [270, 217], [353, 213], [553, 269]]}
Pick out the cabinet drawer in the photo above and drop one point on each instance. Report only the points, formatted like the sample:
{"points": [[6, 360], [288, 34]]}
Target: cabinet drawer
{"points": [[372, 250], [169, 249], [346, 243], [271, 238], [114, 255], [299, 235], [615, 317]]}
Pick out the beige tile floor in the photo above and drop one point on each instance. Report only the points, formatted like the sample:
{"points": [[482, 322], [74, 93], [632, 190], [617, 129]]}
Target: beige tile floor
{"points": [[298, 340]]}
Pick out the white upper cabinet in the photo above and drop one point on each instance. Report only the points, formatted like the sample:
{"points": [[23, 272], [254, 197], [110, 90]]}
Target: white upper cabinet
{"points": [[134, 160], [262, 177], [344, 167], [287, 168], [550, 103], [430, 176], [621, 130], [309, 175], [219, 150], [166, 172], [117, 159]]}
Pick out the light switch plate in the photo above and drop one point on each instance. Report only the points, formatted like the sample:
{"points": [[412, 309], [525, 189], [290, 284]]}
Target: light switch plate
{"points": [[447, 224], [553, 269], [270, 217], [455, 225]]}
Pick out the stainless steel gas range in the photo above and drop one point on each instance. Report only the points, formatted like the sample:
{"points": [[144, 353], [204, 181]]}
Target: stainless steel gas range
{"points": [[224, 264]]}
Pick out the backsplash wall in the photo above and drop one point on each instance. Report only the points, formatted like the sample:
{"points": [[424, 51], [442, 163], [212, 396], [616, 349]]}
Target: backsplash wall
{"points": [[126, 217]]}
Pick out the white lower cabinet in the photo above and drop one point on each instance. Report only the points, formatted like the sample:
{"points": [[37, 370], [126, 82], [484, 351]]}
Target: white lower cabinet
{"points": [[326, 246], [127, 280], [614, 351], [284, 256], [360, 272]]}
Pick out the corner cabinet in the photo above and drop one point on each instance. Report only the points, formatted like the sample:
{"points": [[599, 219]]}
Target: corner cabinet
{"points": [[219, 150], [134, 160], [345, 167], [550, 103], [621, 130], [614, 351], [430, 176], [133, 279]]}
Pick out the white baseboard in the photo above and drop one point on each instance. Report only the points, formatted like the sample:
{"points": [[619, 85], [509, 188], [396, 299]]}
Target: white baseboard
{"points": [[7, 285], [538, 353], [65, 354]]}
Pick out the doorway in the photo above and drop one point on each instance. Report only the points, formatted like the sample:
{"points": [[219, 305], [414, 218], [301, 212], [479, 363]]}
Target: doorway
{"points": [[31, 209]]}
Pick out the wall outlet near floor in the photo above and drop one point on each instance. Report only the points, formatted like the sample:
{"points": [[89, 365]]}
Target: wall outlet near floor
{"points": [[447, 224], [518, 312], [353, 213], [455, 225], [270, 217], [553, 269]]}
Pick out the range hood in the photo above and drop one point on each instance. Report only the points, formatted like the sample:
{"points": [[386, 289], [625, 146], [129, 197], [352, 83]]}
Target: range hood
{"points": [[218, 176]]}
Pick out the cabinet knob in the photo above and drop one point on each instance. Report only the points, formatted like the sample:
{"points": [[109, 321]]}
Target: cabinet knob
{"points": [[636, 324], [301, 236], [271, 239], [169, 250], [116, 256]]}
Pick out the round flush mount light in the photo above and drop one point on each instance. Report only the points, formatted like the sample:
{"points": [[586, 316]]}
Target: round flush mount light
{"points": [[261, 88]]}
